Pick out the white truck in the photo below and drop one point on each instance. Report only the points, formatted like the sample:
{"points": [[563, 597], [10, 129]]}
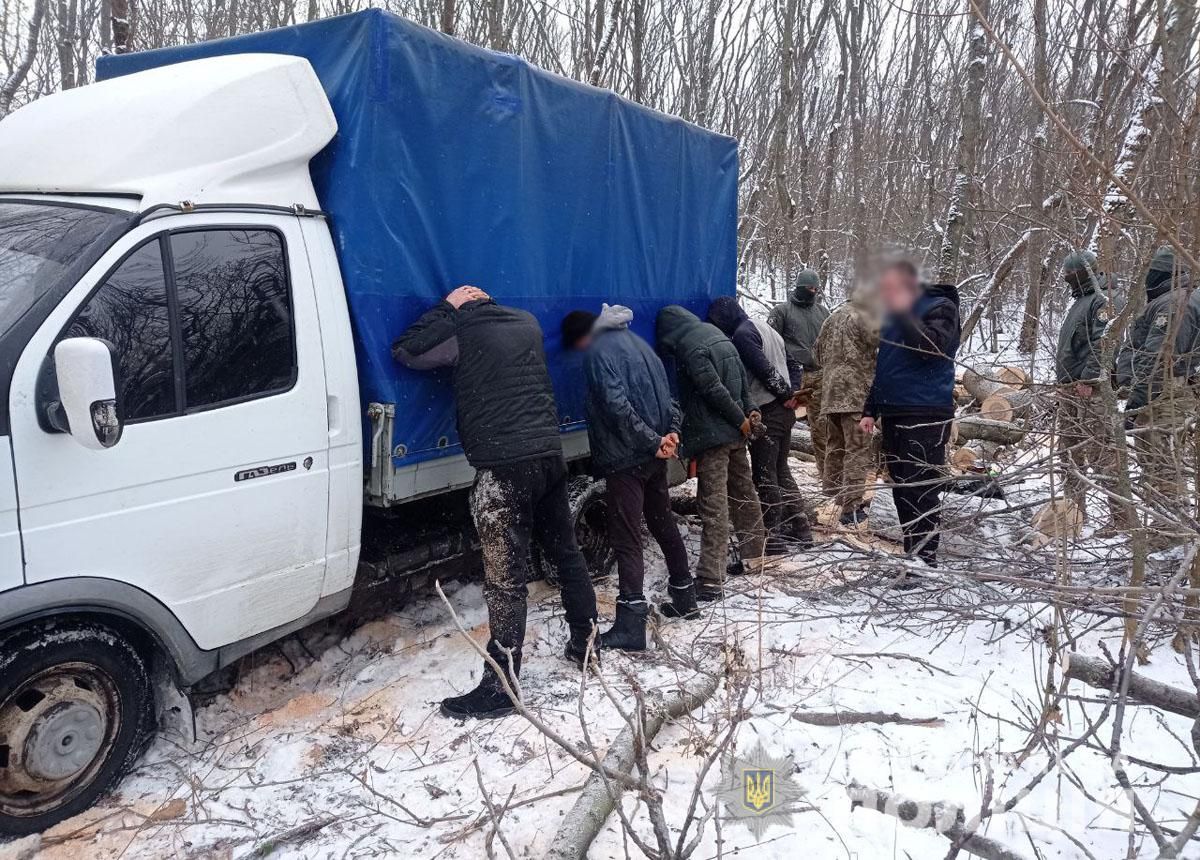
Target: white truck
{"points": [[203, 259]]}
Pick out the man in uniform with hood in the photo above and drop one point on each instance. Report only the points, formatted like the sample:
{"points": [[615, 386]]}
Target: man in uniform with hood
{"points": [[846, 350], [508, 423], [1158, 364], [633, 430], [775, 378], [799, 321], [718, 418], [1082, 438]]}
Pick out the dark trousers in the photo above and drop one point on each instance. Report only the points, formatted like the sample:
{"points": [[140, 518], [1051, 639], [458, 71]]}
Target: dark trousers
{"points": [[511, 504], [914, 451], [783, 507], [632, 495]]}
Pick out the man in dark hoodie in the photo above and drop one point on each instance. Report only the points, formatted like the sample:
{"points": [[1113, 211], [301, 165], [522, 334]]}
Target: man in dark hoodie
{"points": [[1082, 442], [633, 430], [718, 418], [508, 424], [775, 379], [913, 394], [799, 321], [1158, 365]]}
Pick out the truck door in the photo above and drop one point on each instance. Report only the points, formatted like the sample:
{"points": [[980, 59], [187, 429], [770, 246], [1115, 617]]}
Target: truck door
{"points": [[215, 498]]}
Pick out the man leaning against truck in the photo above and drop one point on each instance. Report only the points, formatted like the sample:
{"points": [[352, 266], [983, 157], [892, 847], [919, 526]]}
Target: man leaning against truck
{"points": [[508, 424]]}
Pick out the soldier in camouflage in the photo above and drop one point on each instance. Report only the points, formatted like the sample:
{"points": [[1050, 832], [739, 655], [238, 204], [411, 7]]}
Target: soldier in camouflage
{"points": [[846, 349], [799, 321], [1083, 442], [1158, 364]]}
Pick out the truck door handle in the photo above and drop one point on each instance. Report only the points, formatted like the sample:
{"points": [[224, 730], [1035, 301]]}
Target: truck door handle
{"points": [[333, 408]]}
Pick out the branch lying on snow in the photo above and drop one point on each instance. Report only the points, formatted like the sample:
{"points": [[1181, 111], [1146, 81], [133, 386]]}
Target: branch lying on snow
{"points": [[851, 718], [946, 818], [591, 810], [1101, 674]]}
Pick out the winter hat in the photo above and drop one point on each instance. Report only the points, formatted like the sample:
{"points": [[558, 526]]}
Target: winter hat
{"points": [[808, 280], [1080, 261], [576, 326], [1162, 268]]}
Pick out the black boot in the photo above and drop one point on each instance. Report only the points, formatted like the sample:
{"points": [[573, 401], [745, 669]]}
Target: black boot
{"points": [[488, 700], [799, 531], [628, 632], [683, 602], [707, 592], [577, 645]]}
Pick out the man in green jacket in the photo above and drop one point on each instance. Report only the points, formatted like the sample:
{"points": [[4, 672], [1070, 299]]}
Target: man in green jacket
{"points": [[1158, 364], [1083, 442], [799, 321], [718, 417]]}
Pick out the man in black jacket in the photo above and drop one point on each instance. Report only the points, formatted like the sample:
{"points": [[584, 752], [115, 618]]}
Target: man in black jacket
{"points": [[774, 375], [913, 393], [633, 430], [508, 425]]}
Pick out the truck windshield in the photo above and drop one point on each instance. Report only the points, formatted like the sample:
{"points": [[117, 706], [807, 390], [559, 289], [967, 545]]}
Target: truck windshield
{"points": [[38, 242]]}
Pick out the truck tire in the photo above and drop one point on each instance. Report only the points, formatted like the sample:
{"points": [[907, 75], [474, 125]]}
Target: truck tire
{"points": [[589, 513], [76, 710]]}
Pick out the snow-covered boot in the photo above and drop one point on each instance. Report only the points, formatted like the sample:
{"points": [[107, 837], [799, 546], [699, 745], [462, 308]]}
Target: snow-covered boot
{"points": [[488, 700], [683, 601], [628, 632]]}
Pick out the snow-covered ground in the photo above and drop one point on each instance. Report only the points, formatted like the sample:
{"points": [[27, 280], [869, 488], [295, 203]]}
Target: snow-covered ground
{"points": [[331, 744]]}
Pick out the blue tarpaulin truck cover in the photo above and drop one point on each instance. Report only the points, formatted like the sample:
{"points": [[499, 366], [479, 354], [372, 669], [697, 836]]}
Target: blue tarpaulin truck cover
{"points": [[458, 165]]}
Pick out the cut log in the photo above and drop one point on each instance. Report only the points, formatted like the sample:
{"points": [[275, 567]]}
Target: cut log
{"points": [[1014, 377], [984, 380], [1006, 404], [802, 440], [979, 427], [962, 397], [1100, 674], [966, 459], [1055, 520], [586, 818]]}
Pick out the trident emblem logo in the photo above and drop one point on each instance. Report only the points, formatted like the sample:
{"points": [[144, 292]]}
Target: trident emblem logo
{"points": [[758, 789]]}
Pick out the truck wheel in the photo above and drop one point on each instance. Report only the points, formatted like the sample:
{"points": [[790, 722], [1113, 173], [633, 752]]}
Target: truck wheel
{"points": [[76, 710], [589, 513]]}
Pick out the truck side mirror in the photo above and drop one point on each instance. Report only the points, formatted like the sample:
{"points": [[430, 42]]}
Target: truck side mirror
{"points": [[87, 389]]}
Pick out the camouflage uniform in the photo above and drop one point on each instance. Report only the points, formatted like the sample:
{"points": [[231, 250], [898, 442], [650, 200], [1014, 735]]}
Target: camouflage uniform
{"points": [[1160, 369], [846, 351], [1084, 440], [799, 321]]}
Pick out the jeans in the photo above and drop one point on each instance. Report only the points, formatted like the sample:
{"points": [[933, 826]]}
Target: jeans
{"points": [[914, 451], [511, 504], [634, 494]]}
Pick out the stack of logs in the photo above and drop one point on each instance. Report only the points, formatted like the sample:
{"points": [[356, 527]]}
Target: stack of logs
{"points": [[996, 398], [1003, 397]]}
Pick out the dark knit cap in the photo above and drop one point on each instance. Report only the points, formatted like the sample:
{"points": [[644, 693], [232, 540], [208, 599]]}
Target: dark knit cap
{"points": [[576, 326]]}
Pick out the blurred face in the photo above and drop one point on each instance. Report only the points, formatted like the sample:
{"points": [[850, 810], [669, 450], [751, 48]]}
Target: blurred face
{"points": [[898, 289], [583, 343]]}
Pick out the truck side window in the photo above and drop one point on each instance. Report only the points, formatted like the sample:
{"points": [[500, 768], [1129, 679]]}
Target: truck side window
{"points": [[130, 311], [235, 314]]}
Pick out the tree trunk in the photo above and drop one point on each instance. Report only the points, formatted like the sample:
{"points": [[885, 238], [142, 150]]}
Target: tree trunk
{"points": [[962, 195], [17, 77]]}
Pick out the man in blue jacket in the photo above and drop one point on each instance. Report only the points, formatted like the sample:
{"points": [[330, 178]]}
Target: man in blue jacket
{"points": [[633, 430], [913, 394]]}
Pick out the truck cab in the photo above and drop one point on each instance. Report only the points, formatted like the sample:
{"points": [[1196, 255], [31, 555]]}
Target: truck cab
{"points": [[181, 419]]}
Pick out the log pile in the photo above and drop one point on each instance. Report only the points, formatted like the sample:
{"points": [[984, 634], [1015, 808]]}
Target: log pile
{"points": [[996, 398]]}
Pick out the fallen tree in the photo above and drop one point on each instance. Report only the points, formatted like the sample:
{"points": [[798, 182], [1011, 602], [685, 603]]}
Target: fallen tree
{"points": [[802, 440], [946, 818], [1101, 674], [600, 794]]}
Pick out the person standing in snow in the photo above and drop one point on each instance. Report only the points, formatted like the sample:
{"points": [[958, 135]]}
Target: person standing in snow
{"points": [[718, 418], [775, 378], [1158, 364], [508, 423], [798, 320], [1082, 442], [846, 349], [913, 395], [633, 430]]}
